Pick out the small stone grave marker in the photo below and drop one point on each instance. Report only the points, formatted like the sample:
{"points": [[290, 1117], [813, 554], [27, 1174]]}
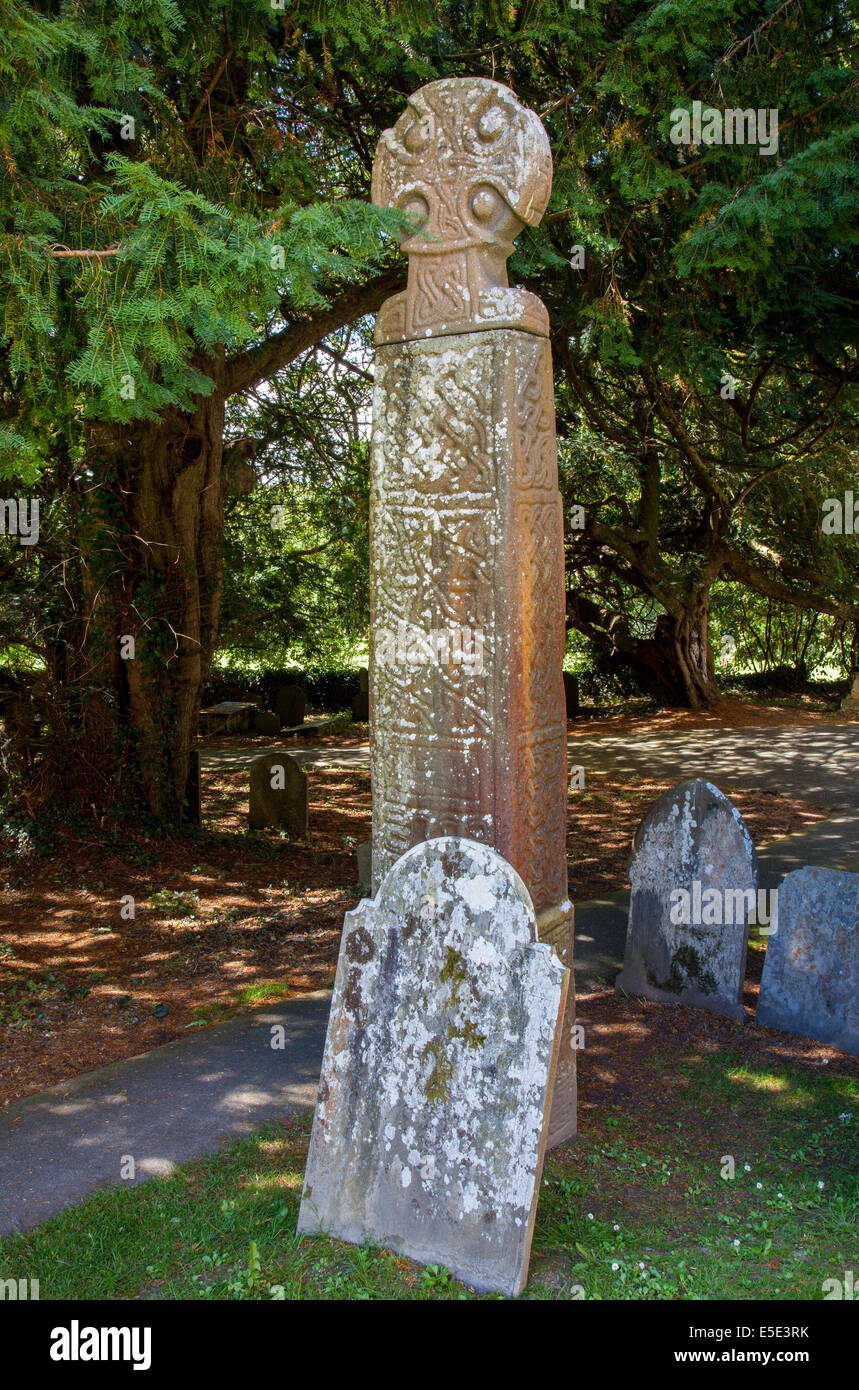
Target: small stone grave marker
{"points": [[267, 722], [279, 794], [291, 705]]}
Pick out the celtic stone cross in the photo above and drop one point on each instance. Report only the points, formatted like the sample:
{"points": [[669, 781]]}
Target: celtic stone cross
{"points": [[467, 712]]}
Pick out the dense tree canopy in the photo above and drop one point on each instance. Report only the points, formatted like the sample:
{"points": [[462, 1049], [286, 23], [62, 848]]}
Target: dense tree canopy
{"points": [[189, 257]]}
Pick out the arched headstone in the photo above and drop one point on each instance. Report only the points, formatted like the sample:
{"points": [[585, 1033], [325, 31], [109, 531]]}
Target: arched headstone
{"points": [[433, 1108], [694, 878], [278, 794], [291, 705]]}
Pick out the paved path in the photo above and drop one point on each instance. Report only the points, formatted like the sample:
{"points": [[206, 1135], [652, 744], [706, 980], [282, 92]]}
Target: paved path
{"points": [[183, 1100], [233, 759], [817, 761], [164, 1107]]}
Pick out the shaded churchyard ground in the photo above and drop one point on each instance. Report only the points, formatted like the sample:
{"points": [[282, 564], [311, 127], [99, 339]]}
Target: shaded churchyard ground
{"points": [[220, 1082], [226, 921]]}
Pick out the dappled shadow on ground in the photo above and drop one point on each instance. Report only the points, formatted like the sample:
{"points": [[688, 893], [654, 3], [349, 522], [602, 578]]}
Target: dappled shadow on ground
{"points": [[640, 1057], [728, 714], [227, 920], [820, 764], [223, 920]]}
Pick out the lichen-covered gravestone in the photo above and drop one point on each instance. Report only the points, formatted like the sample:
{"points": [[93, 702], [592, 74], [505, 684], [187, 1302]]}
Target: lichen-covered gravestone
{"points": [[432, 1116], [468, 731], [810, 981], [279, 794], [694, 878]]}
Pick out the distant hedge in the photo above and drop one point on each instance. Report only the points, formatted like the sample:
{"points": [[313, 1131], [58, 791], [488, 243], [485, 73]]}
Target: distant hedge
{"points": [[785, 680], [325, 690]]}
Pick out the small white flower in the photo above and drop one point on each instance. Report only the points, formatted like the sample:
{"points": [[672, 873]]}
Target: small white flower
{"points": [[615, 1266], [848, 1115], [820, 1187], [736, 1245], [615, 1227], [747, 1167], [780, 1194], [759, 1185], [641, 1264], [590, 1216]]}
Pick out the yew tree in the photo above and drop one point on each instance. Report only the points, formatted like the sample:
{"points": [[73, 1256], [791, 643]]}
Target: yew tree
{"points": [[184, 206]]}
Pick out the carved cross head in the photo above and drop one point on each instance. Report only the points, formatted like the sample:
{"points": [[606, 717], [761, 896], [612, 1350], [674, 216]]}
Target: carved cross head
{"points": [[471, 167]]}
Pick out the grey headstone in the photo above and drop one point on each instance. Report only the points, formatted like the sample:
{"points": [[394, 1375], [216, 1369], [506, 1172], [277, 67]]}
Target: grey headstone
{"points": [[291, 705], [850, 703], [810, 982], [192, 811], [266, 722], [692, 841], [364, 854], [431, 1122], [279, 794], [361, 707]]}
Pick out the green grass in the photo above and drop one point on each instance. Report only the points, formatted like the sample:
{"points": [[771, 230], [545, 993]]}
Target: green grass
{"points": [[637, 1208]]}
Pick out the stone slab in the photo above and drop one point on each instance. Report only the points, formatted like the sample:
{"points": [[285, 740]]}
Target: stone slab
{"points": [[556, 926], [850, 703], [363, 854], [192, 810]]}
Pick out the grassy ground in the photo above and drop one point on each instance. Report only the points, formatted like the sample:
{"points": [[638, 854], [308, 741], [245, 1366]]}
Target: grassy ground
{"points": [[637, 1208]]}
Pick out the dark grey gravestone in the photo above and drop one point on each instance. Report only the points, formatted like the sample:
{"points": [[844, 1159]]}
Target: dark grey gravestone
{"points": [[571, 693], [850, 704], [433, 1110], [694, 878], [361, 707], [266, 722], [279, 794], [192, 790], [364, 854], [810, 981], [291, 705]]}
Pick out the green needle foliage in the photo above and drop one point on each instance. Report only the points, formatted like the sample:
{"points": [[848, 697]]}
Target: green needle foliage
{"points": [[186, 220]]}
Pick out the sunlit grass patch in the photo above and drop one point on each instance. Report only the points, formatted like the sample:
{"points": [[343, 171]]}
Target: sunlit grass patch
{"points": [[623, 1213]]}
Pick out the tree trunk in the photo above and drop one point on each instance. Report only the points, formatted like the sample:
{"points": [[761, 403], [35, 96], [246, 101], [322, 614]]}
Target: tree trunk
{"points": [[154, 574], [675, 664]]}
